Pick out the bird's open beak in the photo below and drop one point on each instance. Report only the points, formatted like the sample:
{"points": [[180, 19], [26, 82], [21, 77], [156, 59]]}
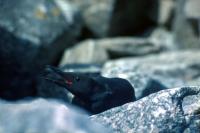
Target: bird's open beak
{"points": [[64, 79], [55, 75]]}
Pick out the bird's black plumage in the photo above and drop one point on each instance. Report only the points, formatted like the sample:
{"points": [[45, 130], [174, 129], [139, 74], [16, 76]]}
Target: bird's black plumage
{"points": [[93, 93]]}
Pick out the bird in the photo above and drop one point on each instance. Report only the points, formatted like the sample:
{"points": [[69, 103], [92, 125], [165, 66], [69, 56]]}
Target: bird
{"points": [[95, 94]]}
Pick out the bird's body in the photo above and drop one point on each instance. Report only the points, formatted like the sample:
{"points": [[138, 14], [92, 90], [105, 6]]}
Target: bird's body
{"points": [[93, 93]]}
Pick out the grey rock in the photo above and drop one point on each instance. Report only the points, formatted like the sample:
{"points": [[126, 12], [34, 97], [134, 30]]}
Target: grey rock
{"points": [[165, 12], [96, 14], [112, 17], [33, 34], [186, 24], [192, 9], [171, 69], [85, 52], [82, 68], [159, 112], [38, 25], [100, 50], [129, 46], [163, 38], [45, 116]]}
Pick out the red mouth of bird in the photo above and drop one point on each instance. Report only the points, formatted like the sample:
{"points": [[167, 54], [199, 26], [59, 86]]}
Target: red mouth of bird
{"points": [[69, 82]]}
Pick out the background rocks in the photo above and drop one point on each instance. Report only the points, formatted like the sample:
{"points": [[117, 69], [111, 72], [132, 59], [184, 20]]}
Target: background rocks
{"points": [[165, 12], [32, 35], [109, 16], [186, 24], [86, 52], [101, 50]]}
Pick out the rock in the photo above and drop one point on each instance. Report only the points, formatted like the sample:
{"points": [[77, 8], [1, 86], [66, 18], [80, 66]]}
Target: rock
{"points": [[192, 9], [99, 50], [85, 52], [171, 69], [159, 112], [112, 17], [165, 11], [186, 24], [82, 68], [129, 46], [122, 24], [45, 116], [32, 34], [163, 38]]}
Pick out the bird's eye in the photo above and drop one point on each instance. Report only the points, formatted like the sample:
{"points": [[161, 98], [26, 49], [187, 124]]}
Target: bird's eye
{"points": [[77, 79]]}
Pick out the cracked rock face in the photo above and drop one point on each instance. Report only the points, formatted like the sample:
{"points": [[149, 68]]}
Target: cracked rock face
{"points": [[42, 116], [164, 111]]}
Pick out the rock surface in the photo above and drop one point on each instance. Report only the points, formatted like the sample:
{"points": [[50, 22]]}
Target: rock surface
{"points": [[82, 68], [192, 9], [100, 50], [160, 112], [186, 24], [172, 69], [129, 46], [85, 52], [107, 17], [43, 116], [32, 34], [165, 12]]}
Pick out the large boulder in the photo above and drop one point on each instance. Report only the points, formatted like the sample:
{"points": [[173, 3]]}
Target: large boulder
{"points": [[116, 17], [32, 34], [172, 110], [45, 116], [100, 50], [171, 69], [85, 52], [129, 46]]}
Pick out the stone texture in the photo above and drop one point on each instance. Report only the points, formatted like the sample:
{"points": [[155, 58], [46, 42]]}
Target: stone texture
{"points": [[159, 112], [95, 13], [112, 17], [186, 24], [172, 69], [82, 68], [163, 38], [84, 52], [32, 34], [43, 116], [129, 46], [192, 9], [100, 50], [165, 12]]}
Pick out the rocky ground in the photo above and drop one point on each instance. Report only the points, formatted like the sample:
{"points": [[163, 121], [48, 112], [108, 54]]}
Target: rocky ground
{"points": [[154, 44]]}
